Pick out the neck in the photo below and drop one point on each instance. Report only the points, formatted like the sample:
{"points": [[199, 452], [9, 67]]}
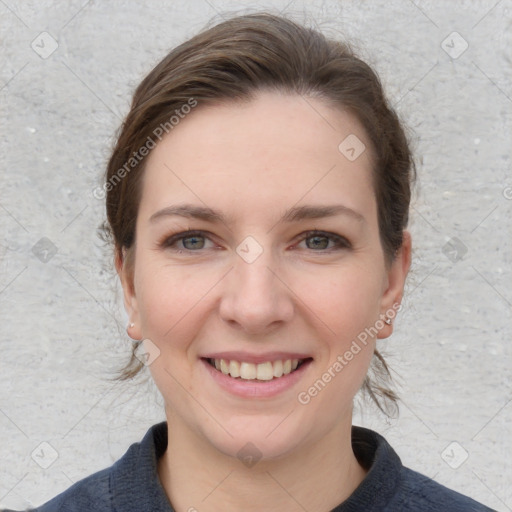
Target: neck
{"points": [[318, 476]]}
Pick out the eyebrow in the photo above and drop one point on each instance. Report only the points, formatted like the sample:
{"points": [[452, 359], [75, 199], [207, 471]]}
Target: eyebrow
{"points": [[292, 215]]}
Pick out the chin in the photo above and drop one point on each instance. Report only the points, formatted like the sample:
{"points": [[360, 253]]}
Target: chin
{"points": [[252, 441]]}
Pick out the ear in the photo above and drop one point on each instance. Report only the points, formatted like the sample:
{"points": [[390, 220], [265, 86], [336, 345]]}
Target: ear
{"points": [[394, 284], [124, 267]]}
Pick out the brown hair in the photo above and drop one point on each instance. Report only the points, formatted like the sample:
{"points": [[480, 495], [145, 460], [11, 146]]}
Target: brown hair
{"points": [[232, 61]]}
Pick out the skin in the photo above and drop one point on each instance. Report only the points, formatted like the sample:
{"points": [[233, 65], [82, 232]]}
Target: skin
{"points": [[253, 161]]}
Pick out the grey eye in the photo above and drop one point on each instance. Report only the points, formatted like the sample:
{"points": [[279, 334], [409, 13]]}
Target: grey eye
{"points": [[193, 242]]}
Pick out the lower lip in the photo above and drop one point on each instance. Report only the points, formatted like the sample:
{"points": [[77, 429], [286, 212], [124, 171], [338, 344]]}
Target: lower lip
{"points": [[256, 388]]}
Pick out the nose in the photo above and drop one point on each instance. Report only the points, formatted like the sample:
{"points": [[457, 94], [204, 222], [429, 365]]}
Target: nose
{"points": [[255, 297]]}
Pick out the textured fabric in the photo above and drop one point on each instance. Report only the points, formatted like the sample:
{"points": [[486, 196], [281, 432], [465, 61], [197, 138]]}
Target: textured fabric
{"points": [[132, 483]]}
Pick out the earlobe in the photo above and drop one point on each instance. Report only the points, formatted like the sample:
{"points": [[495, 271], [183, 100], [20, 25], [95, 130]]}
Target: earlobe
{"points": [[133, 331]]}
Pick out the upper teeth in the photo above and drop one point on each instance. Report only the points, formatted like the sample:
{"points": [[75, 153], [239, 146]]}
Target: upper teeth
{"points": [[262, 371]]}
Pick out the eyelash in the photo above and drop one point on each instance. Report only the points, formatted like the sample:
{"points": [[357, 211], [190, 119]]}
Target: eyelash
{"points": [[168, 242]]}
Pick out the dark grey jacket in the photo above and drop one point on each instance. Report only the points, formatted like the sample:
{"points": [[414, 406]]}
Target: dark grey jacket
{"points": [[132, 483]]}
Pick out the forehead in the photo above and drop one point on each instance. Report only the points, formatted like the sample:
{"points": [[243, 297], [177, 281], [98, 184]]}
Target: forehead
{"points": [[273, 151]]}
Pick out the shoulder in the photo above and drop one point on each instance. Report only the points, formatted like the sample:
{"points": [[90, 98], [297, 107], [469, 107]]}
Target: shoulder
{"points": [[420, 493], [90, 493], [391, 487], [130, 484]]}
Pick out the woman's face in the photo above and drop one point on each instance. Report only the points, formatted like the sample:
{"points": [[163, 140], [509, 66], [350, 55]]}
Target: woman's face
{"points": [[256, 284]]}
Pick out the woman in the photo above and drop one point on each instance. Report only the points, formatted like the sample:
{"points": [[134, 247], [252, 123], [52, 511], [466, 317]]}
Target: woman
{"points": [[258, 201]]}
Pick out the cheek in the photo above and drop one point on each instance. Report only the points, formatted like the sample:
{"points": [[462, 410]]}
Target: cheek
{"points": [[346, 305], [169, 301], [345, 299], [168, 297]]}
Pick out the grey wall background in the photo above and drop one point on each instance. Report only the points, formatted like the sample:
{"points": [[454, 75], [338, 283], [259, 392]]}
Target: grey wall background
{"points": [[66, 77]]}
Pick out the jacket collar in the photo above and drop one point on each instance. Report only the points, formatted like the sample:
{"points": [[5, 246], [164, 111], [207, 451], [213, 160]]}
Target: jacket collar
{"points": [[136, 485], [135, 482]]}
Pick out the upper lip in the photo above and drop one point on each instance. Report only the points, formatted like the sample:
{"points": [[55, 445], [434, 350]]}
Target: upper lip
{"points": [[248, 357]]}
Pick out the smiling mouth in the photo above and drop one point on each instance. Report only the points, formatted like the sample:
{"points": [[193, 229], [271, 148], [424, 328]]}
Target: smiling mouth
{"points": [[270, 370]]}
